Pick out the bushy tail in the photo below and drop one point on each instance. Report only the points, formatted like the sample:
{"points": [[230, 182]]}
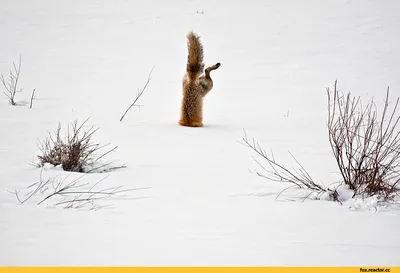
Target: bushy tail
{"points": [[195, 65]]}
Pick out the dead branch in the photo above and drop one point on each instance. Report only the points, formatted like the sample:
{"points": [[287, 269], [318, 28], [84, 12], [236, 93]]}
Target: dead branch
{"points": [[32, 97], [138, 95], [299, 177], [11, 82]]}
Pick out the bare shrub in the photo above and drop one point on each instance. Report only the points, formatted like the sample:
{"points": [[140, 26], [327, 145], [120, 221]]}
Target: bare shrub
{"points": [[72, 194], [277, 172], [75, 151], [11, 83], [365, 144]]}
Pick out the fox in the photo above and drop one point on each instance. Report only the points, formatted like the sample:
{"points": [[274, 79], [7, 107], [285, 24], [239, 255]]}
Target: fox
{"points": [[195, 86]]}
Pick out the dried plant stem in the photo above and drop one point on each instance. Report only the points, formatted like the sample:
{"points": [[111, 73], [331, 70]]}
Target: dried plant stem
{"points": [[138, 95], [75, 151], [275, 171], [32, 97], [75, 194], [11, 82]]}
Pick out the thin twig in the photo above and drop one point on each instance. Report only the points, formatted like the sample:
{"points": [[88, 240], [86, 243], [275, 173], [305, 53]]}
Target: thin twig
{"points": [[11, 83], [279, 173], [139, 94], [32, 97], [74, 193]]}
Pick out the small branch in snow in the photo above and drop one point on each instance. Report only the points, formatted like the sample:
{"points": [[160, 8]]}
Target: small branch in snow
{"points": [[277, 172], [11, 82], [138, 95], [32, 98]]}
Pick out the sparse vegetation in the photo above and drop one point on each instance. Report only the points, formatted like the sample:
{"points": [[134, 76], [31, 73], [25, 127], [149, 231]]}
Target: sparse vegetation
{"points": [[297, 177], [365, 146], [10, 83], [69, 193], [76, 151], [138, 95]]}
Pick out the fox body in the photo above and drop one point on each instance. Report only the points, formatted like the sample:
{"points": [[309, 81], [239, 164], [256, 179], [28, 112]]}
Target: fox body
{"points": [[195, 85]]}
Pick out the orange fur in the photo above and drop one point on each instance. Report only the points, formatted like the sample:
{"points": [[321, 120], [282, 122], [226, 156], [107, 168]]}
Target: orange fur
{"points": [[195, 86]]}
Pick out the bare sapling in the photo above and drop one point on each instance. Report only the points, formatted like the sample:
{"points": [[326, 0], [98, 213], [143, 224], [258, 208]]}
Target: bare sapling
{"points": [[10, 83], [298, 177], [138, 95]]}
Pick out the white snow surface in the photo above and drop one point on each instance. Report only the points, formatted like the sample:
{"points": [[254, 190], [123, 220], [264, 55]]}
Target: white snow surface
{"points": [[203, 206]]}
